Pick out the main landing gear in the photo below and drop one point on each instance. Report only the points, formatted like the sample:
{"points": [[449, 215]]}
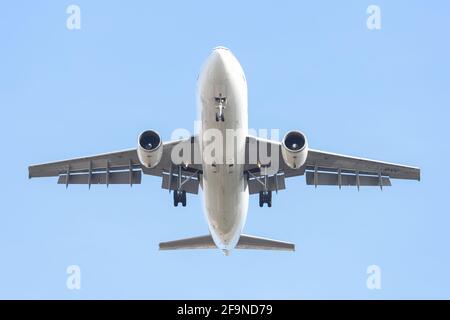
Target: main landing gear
{"points": [[265, 197], [179, 195], [177, 183]]}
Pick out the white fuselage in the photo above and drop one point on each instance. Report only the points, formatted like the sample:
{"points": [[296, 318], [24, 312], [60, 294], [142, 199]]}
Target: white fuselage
{"points": [[226, 196]]}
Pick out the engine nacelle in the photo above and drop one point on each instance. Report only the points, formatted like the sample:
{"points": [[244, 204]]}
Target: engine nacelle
{"points": [[150, 148], [294, 149]]}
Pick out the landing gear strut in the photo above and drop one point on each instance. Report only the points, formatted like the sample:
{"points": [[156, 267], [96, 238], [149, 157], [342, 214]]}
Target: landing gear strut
{"points": [[179, 196], [176, 183], [221, 101], [265, 197]]}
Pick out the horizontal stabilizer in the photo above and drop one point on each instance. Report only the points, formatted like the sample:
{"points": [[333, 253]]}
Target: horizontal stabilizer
{"points": [[250, 242], [245, 242], [202, 242]]}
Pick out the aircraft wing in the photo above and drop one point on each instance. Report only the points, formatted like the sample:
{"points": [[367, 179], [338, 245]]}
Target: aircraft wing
{"points": [[114, 161], [333, 162], [326, 168], [121, 167]]}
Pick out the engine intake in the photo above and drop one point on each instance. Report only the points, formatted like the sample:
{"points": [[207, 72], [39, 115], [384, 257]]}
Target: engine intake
{"points": [[294, 149], [150, 148]]}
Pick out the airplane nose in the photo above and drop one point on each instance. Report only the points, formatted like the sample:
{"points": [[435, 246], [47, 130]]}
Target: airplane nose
{"points": [[218, 66], [221, 48]]}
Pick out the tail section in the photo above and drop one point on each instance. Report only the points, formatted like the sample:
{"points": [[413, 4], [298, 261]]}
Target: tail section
{"points": [[245, 242]]}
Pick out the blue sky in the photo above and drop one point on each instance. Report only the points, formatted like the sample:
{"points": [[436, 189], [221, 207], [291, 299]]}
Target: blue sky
{"points": [[312, 66]]}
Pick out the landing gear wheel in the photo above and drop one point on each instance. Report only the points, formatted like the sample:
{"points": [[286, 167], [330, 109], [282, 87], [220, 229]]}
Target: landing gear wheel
{"points": [[265, 197], [179, 196], [183, 198], [220, 117], [269, 203], [175, 199]]}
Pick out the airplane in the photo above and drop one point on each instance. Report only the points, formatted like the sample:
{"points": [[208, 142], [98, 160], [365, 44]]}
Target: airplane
{"points": [[226, 183]]}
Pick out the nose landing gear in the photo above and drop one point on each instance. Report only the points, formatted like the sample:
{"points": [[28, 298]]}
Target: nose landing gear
{"points": [[221, 101], [220, 116]]}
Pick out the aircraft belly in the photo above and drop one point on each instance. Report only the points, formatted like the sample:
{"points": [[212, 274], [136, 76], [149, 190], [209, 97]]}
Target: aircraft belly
{"points": [[224, 185], [226, 201]]}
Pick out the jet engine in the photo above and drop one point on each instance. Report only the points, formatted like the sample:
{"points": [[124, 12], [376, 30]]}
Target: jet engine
{"points": [[150, 148], [294, 149]]}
